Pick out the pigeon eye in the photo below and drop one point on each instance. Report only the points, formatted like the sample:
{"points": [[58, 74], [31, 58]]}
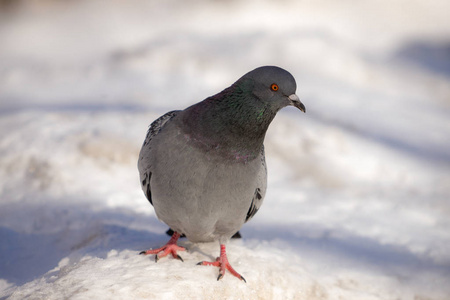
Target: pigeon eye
{"points": [[274, 87]]}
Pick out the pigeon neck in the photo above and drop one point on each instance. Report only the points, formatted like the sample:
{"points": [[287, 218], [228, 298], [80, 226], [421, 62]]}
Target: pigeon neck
{"points": [[232, 124]]}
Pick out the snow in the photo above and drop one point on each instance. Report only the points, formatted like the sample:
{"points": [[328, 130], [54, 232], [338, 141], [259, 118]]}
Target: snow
{"points": [[357, 205]]}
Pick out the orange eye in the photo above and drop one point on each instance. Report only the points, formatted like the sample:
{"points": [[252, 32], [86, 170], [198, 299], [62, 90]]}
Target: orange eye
{"points": [[274, 87]]}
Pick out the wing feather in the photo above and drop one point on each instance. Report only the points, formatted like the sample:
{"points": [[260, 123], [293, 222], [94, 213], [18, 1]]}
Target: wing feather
{"points": [[143, 165], [260, 190]]}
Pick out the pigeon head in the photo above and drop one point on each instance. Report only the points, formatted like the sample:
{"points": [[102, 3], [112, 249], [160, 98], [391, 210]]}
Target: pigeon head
{"points": [[236, 119], [272, 85]]}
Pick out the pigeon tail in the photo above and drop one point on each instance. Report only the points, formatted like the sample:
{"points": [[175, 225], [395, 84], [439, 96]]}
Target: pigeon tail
{"points": [[223, 264], [171, 247]]}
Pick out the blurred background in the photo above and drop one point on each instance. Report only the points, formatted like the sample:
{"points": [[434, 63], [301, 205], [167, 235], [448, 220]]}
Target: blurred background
{"points": [[362, 179]]}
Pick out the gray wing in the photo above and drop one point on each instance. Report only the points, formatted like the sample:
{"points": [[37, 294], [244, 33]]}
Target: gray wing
{"points": [[157, 125], [143, 162], [260, 190]]}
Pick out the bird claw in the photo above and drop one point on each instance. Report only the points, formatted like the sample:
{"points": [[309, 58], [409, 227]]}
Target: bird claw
{"points": [[170, 248], [174, 254], [223, 264]]}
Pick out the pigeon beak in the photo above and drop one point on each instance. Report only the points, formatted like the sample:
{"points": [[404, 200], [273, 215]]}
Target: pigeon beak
{"points": [[295, 101]]}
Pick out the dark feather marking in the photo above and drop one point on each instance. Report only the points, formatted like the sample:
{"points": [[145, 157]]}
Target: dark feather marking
{"points": [[157, 125], [253, 208], [153, 130], [257, 197], [148, 192]]}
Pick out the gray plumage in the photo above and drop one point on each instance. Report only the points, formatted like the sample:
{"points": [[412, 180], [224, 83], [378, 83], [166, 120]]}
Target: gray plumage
{"points": [[203, 168], [204, 196]]}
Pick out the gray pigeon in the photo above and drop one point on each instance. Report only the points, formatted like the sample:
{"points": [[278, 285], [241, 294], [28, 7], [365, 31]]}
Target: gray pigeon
{"points": [[203, 168]]}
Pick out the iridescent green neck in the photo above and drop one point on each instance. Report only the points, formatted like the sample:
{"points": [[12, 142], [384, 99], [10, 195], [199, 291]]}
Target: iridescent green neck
{"points": [[233, 122]]}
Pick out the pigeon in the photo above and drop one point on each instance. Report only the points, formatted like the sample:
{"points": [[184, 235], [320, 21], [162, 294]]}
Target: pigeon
{"points": [[203, 168]]}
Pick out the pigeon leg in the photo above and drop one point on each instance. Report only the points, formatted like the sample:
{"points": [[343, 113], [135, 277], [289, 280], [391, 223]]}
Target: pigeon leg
{"points": [[223, 264], [171, 247]]}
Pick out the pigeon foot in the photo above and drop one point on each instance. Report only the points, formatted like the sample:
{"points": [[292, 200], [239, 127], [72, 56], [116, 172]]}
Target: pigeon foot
{"points": [[170, 248], [223, 264]]}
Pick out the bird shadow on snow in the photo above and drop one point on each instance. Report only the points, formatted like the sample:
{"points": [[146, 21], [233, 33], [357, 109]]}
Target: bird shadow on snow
{"points": [[82, 230], [29, 251]]}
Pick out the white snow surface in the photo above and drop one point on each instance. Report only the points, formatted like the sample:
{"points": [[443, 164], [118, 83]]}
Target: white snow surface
{"points": [[358, 201]]}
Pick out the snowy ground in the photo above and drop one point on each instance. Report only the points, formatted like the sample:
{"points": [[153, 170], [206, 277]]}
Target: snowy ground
{"points": [[358, 203]]}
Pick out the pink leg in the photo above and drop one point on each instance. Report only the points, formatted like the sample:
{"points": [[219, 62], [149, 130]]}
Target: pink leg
{"points": [[223, 264], [171, 247]]}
